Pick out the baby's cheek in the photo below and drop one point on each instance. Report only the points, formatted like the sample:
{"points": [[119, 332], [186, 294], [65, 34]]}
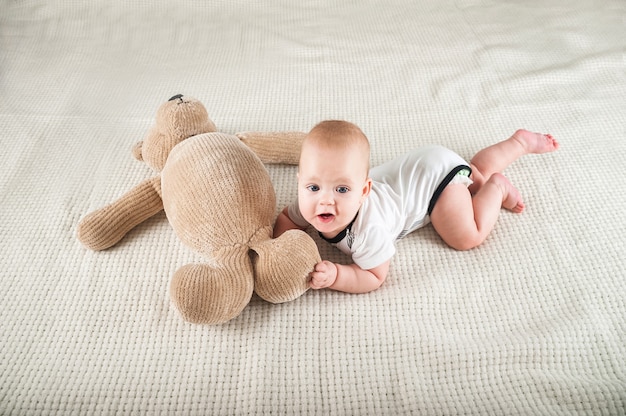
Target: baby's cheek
{"points": [[306, 208]]}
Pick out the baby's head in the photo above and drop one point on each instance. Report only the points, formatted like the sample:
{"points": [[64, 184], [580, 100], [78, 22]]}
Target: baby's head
{"points": [[338, 136], [333, 177]]}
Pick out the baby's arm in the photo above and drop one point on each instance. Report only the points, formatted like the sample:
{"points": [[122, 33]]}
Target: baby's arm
{"points": [[348, 278], [284, 223], [345, 278]]}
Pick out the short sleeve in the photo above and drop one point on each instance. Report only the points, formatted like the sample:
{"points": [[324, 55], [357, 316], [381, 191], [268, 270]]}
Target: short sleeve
{"points": [[373, 248]]}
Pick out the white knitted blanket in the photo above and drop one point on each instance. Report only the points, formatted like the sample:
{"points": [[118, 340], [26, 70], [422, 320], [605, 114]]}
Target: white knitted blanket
{"points": [[531, 322]]}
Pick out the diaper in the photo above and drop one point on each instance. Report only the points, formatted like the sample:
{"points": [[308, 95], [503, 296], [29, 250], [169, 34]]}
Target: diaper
{"points": [[462, 177]]}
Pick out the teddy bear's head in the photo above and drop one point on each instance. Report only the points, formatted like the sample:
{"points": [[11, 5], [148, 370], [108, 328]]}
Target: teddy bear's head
{"points": [[177, 119]]}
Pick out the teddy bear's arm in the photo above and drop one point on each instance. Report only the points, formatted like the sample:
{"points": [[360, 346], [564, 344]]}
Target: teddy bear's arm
{"points": [[106, 226], [274, 147]]}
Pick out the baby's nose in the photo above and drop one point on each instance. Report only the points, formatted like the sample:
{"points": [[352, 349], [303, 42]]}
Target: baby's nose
{"points": [[327, 198]]}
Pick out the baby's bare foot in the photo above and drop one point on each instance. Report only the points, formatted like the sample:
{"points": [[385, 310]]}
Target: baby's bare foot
{"points": [[511, 198], [536, 142]]}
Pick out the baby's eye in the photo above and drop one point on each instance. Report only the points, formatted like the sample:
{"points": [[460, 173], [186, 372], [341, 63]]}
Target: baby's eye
{"points": [[313, 188], [343, 189]]}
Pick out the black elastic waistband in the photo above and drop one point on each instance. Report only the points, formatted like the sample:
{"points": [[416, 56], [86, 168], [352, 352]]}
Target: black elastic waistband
{"points": [[445, 183]]}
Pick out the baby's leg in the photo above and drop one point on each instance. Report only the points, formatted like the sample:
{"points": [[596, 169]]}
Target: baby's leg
{"points": [[496, 158], [463, 221]]}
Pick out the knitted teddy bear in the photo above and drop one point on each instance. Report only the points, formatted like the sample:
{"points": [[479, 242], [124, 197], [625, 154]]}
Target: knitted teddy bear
{"points": [[219, 199]]}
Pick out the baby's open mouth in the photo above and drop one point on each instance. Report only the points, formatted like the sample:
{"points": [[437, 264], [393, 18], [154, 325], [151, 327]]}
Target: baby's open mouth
{"points": [[326, 216]]}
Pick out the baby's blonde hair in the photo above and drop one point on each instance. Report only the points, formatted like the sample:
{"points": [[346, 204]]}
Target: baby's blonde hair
{"points": [[339, 135]]}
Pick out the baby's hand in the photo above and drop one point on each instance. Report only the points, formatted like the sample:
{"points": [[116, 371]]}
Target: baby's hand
{"points": [[324, 275]]}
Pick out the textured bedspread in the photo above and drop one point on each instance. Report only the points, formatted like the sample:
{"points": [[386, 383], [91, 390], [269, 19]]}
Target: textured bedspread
{"points": [[531, 322]]}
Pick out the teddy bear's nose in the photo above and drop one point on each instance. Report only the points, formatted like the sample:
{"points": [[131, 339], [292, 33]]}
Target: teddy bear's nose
{"points": [[176, 97]]}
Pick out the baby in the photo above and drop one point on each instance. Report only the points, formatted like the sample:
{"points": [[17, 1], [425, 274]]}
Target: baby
{"points": [[364, 214]]}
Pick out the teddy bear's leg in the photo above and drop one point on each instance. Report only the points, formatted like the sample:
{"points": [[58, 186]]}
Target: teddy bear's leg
{"points": [[213, 295], [103, 228], [283, 265], [274, 147]]}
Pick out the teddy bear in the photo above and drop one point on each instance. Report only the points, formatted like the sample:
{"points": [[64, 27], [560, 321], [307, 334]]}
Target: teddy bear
{"points": [[218, 198]]}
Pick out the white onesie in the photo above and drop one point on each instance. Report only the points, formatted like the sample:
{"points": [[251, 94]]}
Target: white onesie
{"points": [[404, 192]]}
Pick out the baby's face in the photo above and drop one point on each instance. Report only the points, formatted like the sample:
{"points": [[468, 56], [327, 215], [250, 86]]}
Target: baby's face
{"points": [[332, 185]]}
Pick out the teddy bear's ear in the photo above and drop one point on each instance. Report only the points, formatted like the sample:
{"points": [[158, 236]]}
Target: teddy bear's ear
{"points": [[154, 149], [137, 151]]}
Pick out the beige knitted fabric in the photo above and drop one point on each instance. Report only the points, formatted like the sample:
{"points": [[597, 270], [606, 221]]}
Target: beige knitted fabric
{"points": [[533, 322], [276, 263], [105, 227], [213, 295], [274, 147]]}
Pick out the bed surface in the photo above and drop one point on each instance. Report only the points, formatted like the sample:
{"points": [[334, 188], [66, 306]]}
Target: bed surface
{"points": [[531, 322]]}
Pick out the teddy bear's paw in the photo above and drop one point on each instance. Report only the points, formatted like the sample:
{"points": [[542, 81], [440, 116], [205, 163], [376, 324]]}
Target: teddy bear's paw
{"points": [[282, 266], [207, 295], [105, 227], [95, 233], [274, 147]]}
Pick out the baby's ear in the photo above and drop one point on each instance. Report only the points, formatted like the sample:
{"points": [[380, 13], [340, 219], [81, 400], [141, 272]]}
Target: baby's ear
{"points": [[367, 187]]}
